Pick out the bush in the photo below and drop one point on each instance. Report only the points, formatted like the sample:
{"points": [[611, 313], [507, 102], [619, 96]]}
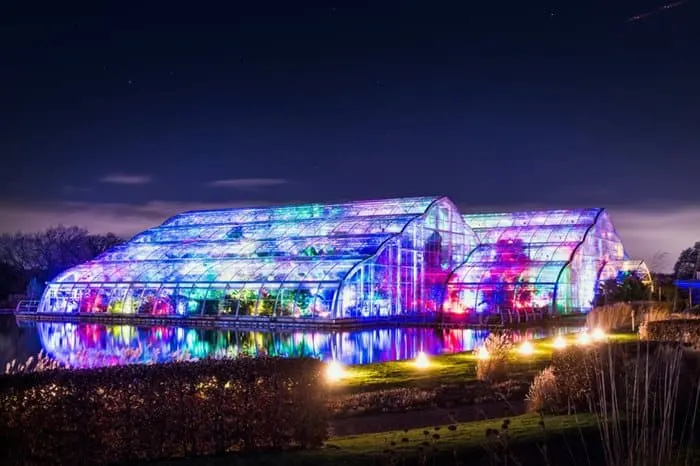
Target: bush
{"points": [[573, 369], [139, 412], [495, 368], [681, 330], [542, 396]]}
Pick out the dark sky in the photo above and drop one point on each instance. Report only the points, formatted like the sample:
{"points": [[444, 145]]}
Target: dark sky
{"points": [[117, 114]]}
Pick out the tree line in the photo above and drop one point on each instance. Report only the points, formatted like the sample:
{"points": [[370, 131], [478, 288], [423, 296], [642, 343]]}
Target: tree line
{"points": [[28, 260]]}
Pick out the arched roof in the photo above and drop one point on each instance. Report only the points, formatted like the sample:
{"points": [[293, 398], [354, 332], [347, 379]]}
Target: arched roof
{"points": [[611, 269], [532, 247], [303, 243]]}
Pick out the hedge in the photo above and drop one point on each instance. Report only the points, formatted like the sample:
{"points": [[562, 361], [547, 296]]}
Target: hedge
{"points": [[146, 412], [686, 331]]}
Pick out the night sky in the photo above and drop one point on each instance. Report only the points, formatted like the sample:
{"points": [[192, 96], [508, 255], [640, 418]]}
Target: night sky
{"points": [[115, 115]]}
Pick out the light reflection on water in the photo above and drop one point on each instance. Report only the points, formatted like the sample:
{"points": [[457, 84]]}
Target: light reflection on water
{"points": [[93, 345]]}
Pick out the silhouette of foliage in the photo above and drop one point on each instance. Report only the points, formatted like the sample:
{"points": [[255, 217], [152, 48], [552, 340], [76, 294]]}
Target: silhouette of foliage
{"points": [[147, 412]]}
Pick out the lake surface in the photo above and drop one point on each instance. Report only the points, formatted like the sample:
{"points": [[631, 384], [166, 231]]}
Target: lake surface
{"points": [[94, 345]]}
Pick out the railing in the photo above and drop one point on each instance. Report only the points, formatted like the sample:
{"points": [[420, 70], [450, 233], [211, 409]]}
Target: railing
{"points": [[27, 306]]}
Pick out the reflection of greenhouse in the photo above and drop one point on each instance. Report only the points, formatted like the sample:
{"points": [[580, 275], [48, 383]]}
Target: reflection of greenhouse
{"points": [[95, 345], [398, 257]]}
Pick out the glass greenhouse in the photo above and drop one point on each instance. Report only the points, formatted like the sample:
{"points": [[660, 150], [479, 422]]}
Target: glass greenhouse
{"points": [[541, 260], [395, 257], [359, 259]]}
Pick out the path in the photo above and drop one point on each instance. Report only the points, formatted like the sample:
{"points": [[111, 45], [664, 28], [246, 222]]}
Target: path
{"points": [[424, 418]]}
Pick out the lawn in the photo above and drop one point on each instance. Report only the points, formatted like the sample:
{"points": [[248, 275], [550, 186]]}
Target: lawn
{"points": [[446, 369], [439, 443]]}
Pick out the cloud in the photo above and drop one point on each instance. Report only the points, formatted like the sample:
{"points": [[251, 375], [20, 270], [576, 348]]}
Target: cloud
{"points": [[121, 178], [247, 183], [655, 230], [76, 189]]}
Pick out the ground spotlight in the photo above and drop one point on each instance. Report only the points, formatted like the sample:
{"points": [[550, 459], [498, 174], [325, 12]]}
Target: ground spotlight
{"points": [[422, 361], [598, 334], [334, 371], [482, 353], [583, 338], [560, 342], [526, 349]]}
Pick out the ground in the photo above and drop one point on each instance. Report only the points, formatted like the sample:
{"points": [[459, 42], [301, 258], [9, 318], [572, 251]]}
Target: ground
{"points": [[438, 433]]}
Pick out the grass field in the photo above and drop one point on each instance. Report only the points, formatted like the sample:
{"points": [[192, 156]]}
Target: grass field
{"points": [[446, 369], [437, 444]]}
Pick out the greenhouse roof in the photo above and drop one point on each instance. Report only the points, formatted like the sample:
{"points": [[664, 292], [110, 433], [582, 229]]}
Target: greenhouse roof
{"points": [[300, 243], [530, 246]]}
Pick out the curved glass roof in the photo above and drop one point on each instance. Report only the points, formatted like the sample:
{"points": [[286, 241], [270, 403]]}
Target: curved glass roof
{"points": [[612, 268], [304, 243], [525, 247]]}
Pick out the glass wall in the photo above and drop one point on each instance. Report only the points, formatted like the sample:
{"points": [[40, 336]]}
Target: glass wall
{"points": [[409, 274], [578, 283], [282, 261], [353, 260], [542, 261]]}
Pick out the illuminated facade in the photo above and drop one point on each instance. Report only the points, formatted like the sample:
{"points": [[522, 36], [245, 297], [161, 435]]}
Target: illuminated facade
{"points": [[370, 259], [359, 259], [550, 261]]}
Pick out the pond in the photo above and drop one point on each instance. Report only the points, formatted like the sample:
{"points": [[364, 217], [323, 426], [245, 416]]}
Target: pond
{"points": [[94, 345]]}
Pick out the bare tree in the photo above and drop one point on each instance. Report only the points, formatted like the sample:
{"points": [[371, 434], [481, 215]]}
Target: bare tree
{"points": [[45, 254]]}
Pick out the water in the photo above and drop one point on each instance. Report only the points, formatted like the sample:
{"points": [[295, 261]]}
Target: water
{"points": [[94, 345]]}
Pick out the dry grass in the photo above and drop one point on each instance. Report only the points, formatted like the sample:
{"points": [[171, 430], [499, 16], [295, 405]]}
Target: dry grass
{"points": [[646, 410], [542, 396], [40, 363], [611, 317], [495, 367]]}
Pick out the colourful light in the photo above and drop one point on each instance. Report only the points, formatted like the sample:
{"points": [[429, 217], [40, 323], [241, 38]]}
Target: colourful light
{"points": [[345, 260], [560, 342], [422, 361]]}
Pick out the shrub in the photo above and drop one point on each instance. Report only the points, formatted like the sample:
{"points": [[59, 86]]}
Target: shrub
{"points": [[573, 369], [495, 368], [146, 412], [394, 399], [683, 330], [571, 386], [542, 396]]}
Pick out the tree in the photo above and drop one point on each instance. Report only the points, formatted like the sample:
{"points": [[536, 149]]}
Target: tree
{"points": [[43, 255], [12, 281], [626, 287], [687, 263]]}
